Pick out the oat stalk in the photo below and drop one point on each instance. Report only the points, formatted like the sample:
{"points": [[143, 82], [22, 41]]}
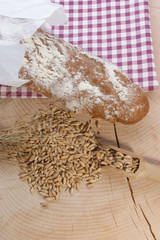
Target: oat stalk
{"points": [[7, 140]]}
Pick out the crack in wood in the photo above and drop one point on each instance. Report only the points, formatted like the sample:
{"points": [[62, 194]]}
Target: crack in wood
{"points": [[131, 190], [110, 184], [114, 219], [149, 224], [134, 224], [146, 236], [116, 136], [128, 180], [132, 196], [148, 204], [135, 208]]}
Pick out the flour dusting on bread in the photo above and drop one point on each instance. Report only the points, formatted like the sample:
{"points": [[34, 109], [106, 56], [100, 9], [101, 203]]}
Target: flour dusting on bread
{"points": [[80, 81]]}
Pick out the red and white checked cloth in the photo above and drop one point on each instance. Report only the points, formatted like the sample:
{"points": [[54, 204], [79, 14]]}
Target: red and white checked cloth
{"points": [[117, 30]]}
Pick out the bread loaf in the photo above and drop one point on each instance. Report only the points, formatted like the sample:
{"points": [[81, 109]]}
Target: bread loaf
{"points": [[81, 82]]}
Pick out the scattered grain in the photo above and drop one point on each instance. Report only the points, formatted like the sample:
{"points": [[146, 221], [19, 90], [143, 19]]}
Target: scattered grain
{"points": [[44, 205], [55, 150]]}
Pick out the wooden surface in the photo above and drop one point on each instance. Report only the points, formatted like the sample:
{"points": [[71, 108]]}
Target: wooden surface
{"points": [[116, 208]]}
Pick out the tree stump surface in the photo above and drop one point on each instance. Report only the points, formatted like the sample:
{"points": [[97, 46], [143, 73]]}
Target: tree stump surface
{"points": [[116, 208]]}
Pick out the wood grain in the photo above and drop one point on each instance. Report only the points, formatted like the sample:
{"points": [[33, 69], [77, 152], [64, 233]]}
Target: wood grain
{"points": [[115, 208]]}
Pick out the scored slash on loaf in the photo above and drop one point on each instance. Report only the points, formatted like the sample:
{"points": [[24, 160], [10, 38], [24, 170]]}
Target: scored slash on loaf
{"points": [[81, 82]]}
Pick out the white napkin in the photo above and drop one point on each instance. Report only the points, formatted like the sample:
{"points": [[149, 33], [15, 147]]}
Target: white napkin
{"points": [[19, 19]]}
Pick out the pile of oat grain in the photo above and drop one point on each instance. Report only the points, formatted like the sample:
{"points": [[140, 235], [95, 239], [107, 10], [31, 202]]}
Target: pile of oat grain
{"points": [[55, 151]]}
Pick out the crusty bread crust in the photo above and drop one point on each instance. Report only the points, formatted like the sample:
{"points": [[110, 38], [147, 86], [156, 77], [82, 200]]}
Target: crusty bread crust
{"points": [[80, 81]]}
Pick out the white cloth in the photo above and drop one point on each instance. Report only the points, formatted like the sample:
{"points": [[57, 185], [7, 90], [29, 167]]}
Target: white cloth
{"points": [[19, 19]]}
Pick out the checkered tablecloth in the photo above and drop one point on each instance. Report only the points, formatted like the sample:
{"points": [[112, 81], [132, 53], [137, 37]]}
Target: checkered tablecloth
{"points": [[117, 30]]}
